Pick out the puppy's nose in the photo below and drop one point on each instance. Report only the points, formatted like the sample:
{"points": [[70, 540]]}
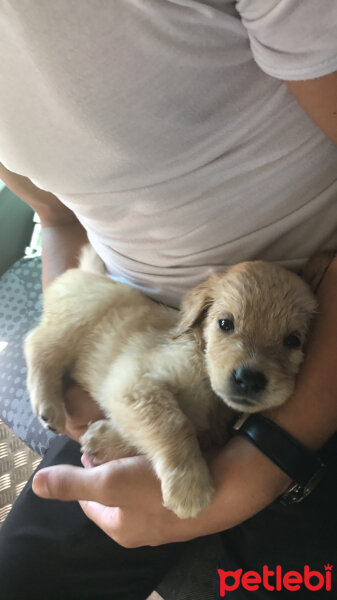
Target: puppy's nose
{"points": [[248, 382]]}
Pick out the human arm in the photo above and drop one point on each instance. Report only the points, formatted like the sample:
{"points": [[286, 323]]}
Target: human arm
{"points": [[62, 239], [62, 234], [318, 97]]}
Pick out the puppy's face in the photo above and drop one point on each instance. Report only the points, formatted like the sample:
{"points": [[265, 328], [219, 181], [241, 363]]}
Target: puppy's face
{"points": [[254, 320]]}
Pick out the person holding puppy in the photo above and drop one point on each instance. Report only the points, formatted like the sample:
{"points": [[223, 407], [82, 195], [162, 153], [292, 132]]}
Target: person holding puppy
{"points": [[178, 137]]}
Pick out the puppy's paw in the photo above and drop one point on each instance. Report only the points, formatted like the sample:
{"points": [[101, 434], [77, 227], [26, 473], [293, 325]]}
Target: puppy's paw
{"points": [[52, 417], [103, 443], [186, 491], [47, 404]]}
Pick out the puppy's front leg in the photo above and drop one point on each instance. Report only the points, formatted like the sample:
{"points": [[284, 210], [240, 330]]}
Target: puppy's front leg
{"points": [[46, 363], [151, 419]]}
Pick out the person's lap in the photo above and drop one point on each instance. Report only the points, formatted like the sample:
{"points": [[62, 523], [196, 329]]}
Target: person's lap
{"points": [[49, 549]]}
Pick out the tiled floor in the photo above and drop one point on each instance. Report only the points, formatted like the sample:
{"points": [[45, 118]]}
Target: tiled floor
{"points": [[17, 462]]}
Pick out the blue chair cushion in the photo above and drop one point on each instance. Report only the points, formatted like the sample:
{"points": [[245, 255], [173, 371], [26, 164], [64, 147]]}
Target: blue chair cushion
{"points": [[20, 310]]}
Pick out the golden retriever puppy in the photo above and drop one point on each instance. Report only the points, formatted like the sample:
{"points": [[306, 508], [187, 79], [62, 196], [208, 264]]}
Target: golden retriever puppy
{"points": [[165, 378]]}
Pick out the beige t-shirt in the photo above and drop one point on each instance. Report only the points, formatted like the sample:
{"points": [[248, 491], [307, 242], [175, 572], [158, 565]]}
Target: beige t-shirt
{"points": [[166, 127]]}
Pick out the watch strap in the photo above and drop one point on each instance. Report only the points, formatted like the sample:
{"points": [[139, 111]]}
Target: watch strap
{"points": [[284, 450]]}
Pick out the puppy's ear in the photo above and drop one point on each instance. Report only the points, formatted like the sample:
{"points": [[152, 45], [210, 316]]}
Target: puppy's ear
{"points": [[195, 304]]}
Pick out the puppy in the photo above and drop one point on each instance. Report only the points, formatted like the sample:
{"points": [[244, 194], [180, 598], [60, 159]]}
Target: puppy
{"points": [[166, 379]]}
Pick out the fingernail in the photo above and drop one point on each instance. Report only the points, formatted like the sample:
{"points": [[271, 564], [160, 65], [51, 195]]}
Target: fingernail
{"points": [[40, 484]]}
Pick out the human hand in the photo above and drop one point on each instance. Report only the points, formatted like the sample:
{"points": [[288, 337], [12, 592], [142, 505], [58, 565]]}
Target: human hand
{"points": [[123, 497]]}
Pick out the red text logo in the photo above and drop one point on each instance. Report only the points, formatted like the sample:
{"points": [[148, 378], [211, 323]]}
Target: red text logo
{"points": [[275, 580]]}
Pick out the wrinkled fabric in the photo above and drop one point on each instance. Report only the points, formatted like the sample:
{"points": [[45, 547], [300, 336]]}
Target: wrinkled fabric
{"points": [[166, 127]]}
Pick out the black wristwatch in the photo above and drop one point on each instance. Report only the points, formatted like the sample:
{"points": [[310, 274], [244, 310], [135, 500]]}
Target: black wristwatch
{"points": [[304, 467]]}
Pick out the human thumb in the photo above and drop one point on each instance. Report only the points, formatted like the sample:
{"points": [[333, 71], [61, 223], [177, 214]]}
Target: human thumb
{"points": [[65, 482]]}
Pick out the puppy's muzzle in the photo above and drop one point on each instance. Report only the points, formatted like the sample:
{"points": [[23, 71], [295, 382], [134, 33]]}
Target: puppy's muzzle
{"points": [[247, 385]]}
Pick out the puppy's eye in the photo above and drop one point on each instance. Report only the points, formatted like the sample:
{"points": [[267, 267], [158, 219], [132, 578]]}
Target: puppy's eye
{"points": [[226, 325], [292, 341]]}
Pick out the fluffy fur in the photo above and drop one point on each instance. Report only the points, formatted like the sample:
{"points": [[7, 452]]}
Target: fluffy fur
{"points": [[165, 378]]}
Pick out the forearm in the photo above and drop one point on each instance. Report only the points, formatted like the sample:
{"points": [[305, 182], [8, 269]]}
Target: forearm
{"points": [[61, 245]]}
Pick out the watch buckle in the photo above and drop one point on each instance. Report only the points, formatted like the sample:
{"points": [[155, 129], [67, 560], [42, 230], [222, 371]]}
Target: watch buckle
{"points": [[297, 492]]}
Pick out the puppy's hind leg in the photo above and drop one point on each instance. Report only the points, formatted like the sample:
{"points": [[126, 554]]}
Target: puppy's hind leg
{"points": [[103, 442], [150, 416]]}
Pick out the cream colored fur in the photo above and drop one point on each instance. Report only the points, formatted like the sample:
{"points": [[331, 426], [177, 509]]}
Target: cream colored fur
{"points": [[162, 377]]}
